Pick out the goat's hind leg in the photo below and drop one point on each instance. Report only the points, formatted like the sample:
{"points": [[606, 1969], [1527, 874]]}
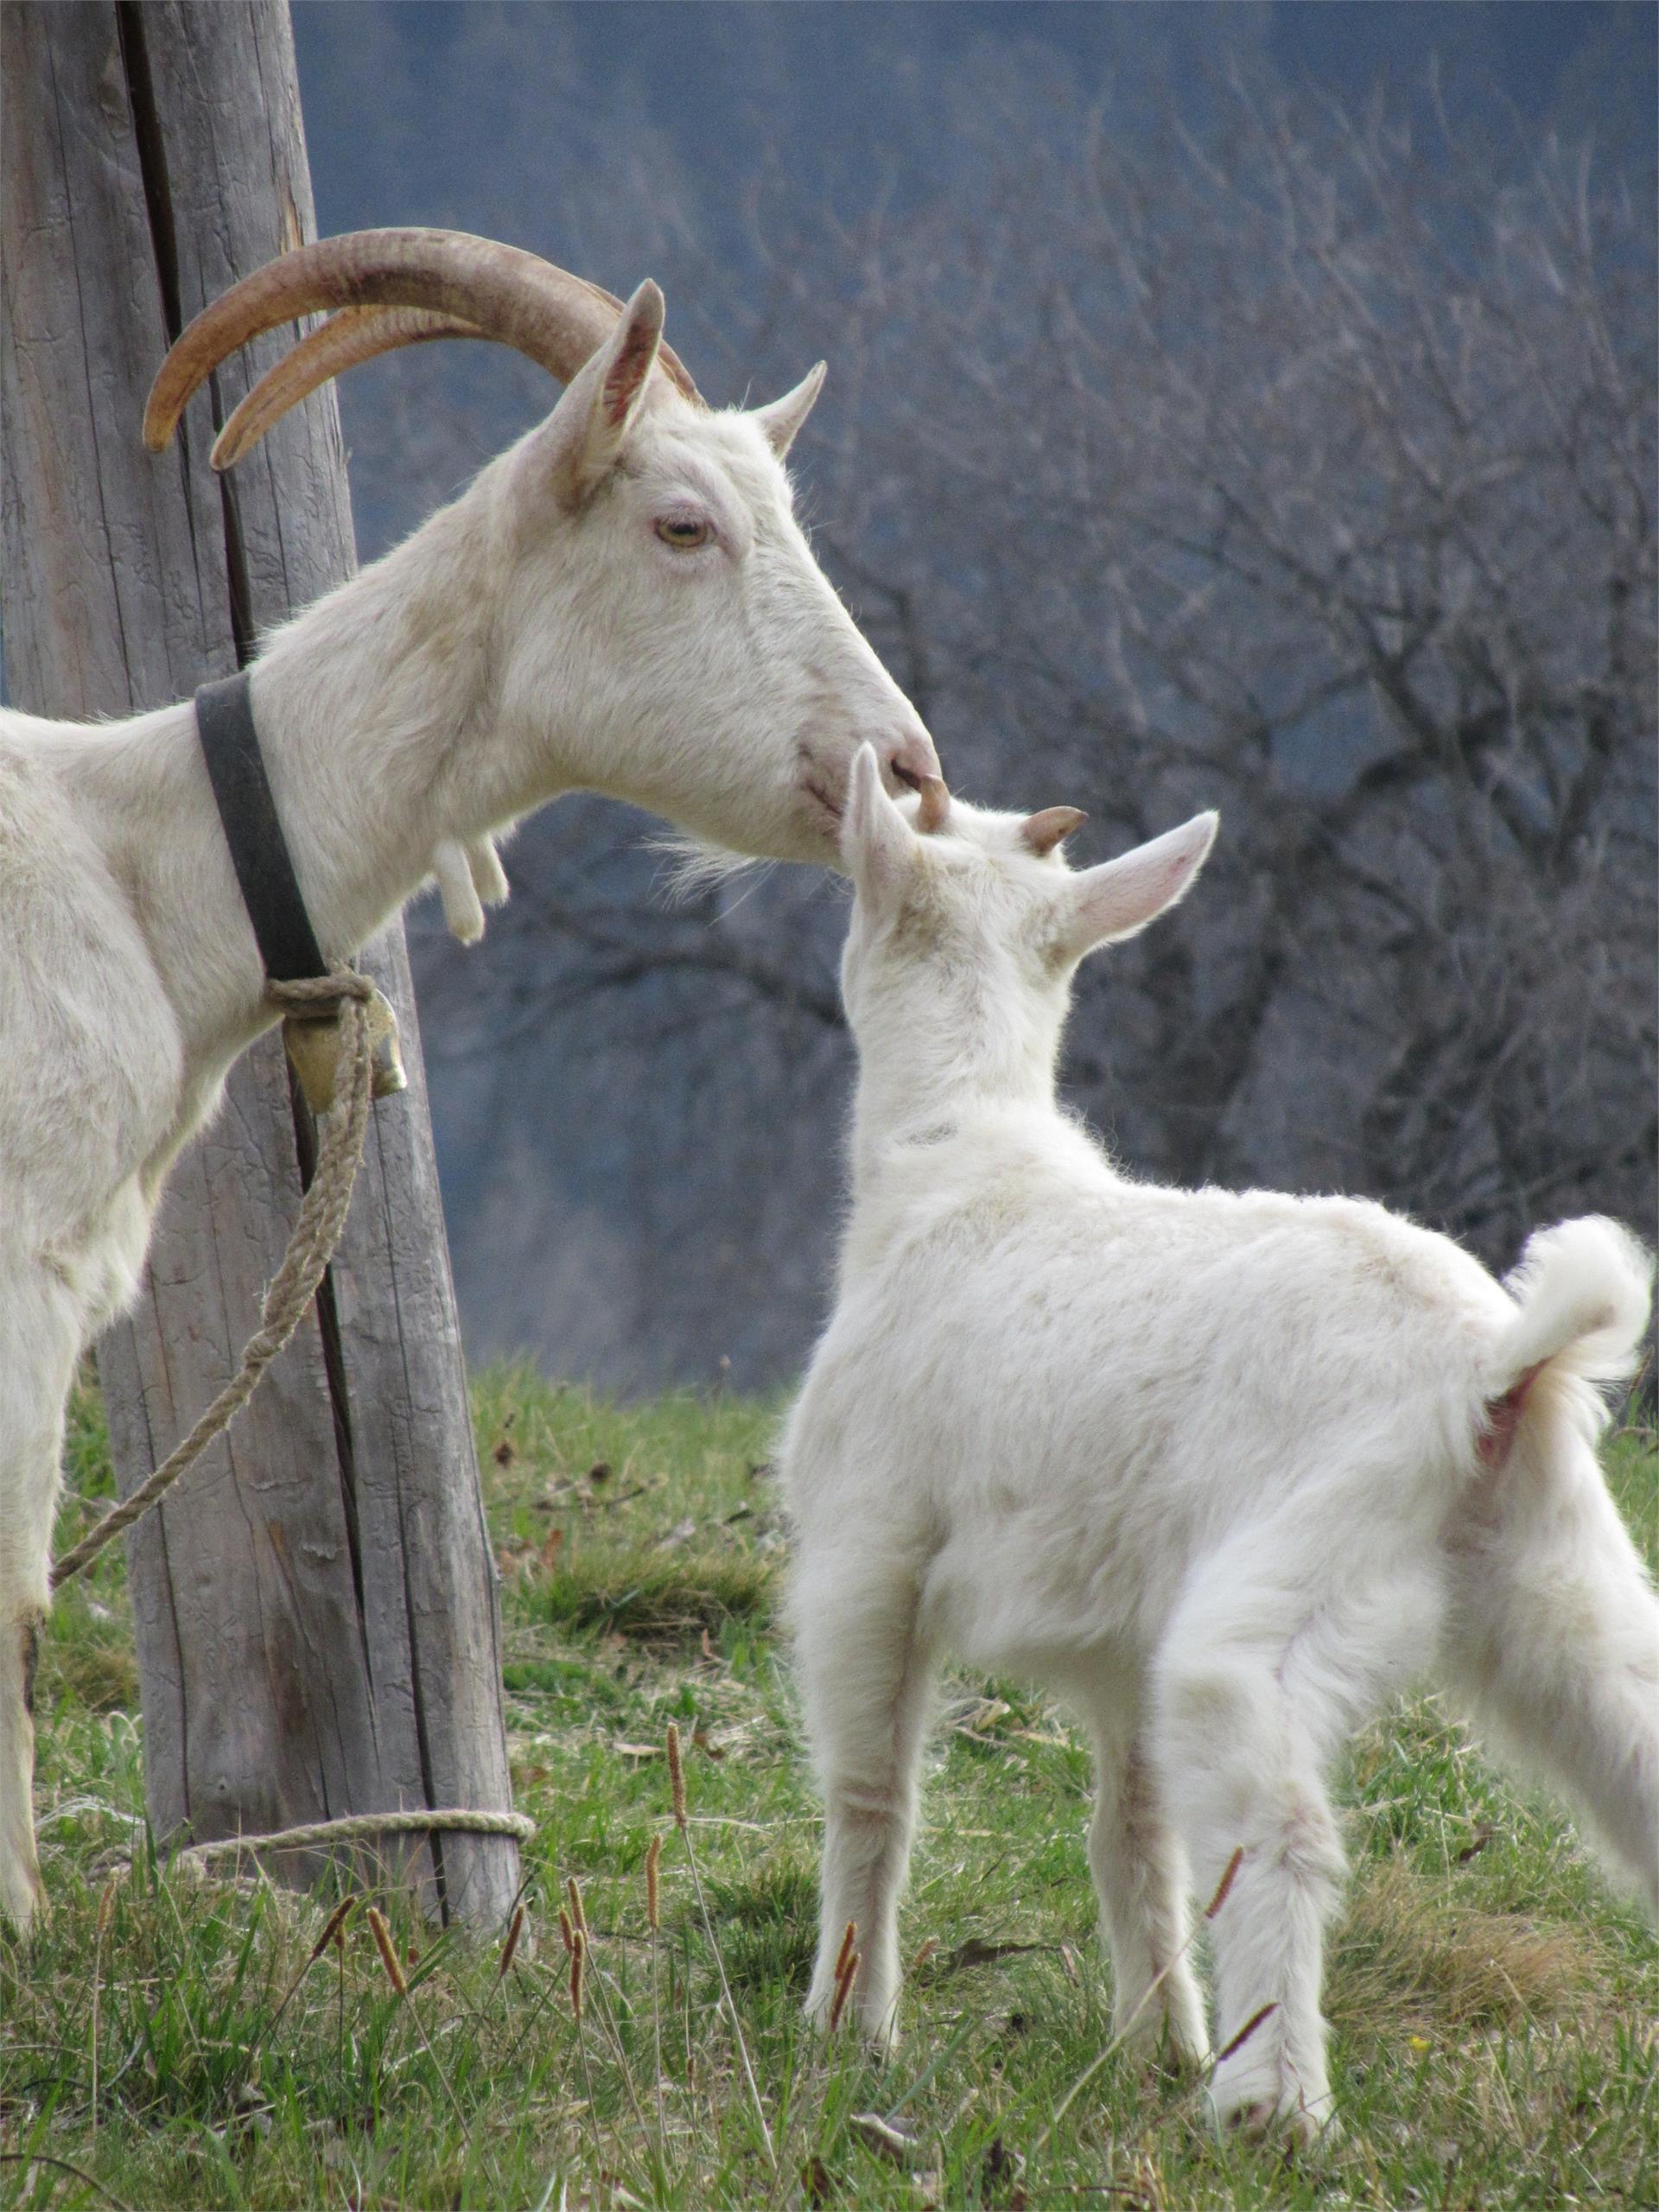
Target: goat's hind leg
{"points": [[1261, 1676], [863, 1680], [37, 1350], [1553, 1636], [1141, 1879]]}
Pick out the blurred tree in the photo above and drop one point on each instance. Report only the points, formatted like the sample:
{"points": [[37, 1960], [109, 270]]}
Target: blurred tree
{"points": [[1300, 463], [1310, 474]]}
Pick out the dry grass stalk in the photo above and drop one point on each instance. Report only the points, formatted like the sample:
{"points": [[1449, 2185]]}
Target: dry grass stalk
{"points": [[595, 1995], [578, 1953], [332, 1930], [515, 1929], [567, 1933], [1238, 2042], [848, 1944], [578, 1991], [654, 1922], [846, 1974], [388, 1951], [331, 1933], [1230, 1875], [676, 1776], [581, 1989], [105, 1913], [676, 1784]]}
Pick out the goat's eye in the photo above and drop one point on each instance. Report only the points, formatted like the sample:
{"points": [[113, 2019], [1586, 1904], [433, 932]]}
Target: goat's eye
{"points": [[684, 532]]}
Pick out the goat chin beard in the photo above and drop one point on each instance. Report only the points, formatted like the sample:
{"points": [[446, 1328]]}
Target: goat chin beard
{"points": [[693, 865]]}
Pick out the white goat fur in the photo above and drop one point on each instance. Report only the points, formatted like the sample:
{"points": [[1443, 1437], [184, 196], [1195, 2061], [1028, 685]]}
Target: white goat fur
{"points": [[537, 636], [1225, 1471]]}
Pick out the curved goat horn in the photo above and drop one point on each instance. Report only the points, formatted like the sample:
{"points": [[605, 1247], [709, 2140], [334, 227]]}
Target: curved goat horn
{"points": [[354, 334], [935, 809], [497, 291]]}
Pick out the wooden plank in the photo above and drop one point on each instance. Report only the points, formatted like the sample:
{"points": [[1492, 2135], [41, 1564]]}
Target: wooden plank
{"points": [[316, 1617]]}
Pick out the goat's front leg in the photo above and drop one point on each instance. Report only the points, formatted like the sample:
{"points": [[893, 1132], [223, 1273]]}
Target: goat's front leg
{"points": [[1141, 1878], [864, 1689], [36, 1363], [20, 1870]]}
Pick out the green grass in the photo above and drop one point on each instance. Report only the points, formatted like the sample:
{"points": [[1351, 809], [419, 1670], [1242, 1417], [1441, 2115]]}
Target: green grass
{"points": [[1493, 1999]]}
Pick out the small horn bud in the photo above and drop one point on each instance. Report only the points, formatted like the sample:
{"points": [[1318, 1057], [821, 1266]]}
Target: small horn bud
{"points": [[935, 809], [1042, 832]]}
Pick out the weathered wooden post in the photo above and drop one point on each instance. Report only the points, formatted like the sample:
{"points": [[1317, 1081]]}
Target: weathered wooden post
{"points": [[317, 1626]]}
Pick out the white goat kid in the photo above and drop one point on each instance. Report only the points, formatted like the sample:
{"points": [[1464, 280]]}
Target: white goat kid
{"points": [[1224, 1472], [622, 602]]}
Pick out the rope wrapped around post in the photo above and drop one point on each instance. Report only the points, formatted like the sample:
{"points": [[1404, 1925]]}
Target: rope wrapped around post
{"points": [[321, 1217], [365, 1826]]}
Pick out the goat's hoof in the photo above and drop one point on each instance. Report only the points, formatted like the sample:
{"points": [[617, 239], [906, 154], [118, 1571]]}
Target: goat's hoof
{"points": [[1178, 2050], [1181, 2061], [22, 1911], [1263, 2119], [879, 2041], [1171, 2057]]}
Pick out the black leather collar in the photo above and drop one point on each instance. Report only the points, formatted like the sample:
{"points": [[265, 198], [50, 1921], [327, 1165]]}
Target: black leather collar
{"points": [[264, 867]]}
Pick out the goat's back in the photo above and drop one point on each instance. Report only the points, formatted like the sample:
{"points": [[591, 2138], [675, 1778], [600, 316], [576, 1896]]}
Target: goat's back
{"points": [[1056, 1390]]}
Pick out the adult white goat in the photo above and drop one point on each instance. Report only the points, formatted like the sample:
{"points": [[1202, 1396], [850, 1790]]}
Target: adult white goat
{"points": [[622, 602], [1225, 1471]]}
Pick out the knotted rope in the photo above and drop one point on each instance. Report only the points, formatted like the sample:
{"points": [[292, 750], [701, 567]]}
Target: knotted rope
{"points": [[323, 1214]]}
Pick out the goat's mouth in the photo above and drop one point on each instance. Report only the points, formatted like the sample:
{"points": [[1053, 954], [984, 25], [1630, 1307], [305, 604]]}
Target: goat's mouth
{"points": [[832, 806]]}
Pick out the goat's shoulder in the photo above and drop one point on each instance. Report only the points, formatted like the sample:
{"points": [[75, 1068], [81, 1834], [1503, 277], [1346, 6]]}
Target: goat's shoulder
{"points": [[90, 1050]]}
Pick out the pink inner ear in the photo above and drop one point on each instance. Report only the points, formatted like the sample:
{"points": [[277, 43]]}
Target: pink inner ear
{"points": [[622, 378]]}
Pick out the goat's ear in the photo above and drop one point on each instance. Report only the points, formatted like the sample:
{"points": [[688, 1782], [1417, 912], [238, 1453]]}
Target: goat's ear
{"points": [[781, 420], [877, 843], [582, 439], [1113, 901]]}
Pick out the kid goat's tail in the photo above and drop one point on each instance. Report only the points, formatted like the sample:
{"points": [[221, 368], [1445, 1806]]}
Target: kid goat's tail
{"points": [[1584, 1289]]}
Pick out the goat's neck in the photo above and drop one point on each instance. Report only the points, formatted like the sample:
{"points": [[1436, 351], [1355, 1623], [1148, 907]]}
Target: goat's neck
{"points": [[921, 1083], [378, 713], [374, 708]]}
